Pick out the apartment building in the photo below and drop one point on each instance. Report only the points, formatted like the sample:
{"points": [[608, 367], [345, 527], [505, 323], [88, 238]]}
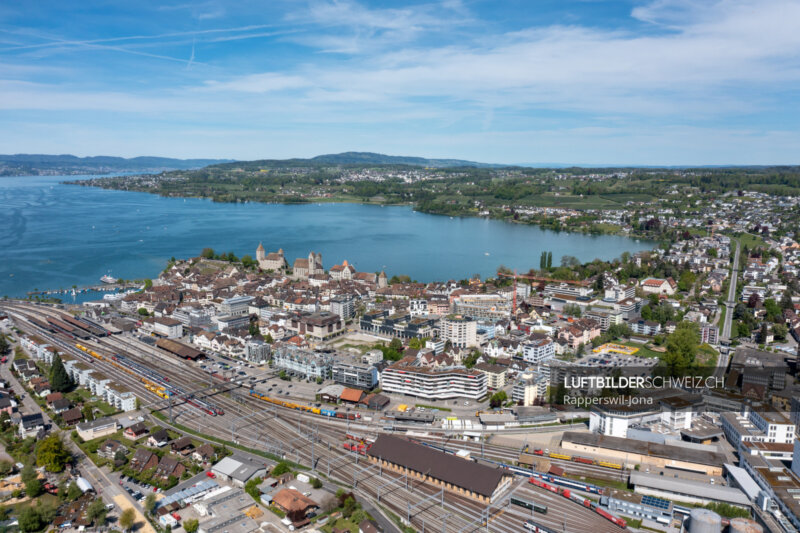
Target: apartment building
{"points": [[303, 362], [436, 383], [361, 376], [538, 350], [461, 332]]}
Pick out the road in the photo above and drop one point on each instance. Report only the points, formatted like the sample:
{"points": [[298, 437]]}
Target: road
{"points": [[111, 491], [730, 304], [305, 438]]}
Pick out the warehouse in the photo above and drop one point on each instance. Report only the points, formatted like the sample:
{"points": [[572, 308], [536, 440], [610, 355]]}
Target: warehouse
{"points": [[459, 476], [180, 349], [632, 451]]}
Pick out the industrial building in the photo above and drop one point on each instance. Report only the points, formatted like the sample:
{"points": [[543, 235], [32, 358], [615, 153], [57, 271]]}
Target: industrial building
{"points": [[645, 453], [454, 474]]}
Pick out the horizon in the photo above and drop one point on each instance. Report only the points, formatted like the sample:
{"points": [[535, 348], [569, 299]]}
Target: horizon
{"points": [[649, 82]]}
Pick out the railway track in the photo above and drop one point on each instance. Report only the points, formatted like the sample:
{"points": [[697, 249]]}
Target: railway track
{"points": [[316, 442]]}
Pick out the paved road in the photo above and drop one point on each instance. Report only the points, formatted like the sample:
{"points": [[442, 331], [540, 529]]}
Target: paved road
{"points": [[731, 301], [730, 304], [102, 484]]}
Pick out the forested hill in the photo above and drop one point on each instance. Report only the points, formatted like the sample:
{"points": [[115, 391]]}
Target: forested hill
{"points": [[357, 158], [45, 164]]}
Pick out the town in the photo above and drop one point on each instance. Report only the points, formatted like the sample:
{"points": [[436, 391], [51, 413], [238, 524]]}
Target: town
{"points": [[269, 391]]}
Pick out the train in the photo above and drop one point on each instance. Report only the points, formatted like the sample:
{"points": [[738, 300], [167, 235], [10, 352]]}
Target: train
{"points": [[153, 381], [322, 411], [576, 459], [580, 500], [533, 506], [527, 472], [358, 448], [530, 525], [363, 439]]}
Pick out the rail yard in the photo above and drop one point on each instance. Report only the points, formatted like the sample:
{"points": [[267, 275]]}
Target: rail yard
{"points": [[233, 410]]}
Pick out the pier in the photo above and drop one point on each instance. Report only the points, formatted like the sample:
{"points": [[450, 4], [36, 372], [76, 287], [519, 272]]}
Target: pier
{"points": [[103, 287]]}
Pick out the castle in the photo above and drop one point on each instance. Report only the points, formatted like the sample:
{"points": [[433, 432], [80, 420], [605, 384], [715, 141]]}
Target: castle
{"points": [[301, 269]]}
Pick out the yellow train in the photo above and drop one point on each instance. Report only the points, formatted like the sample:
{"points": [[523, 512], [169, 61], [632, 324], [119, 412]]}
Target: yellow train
{"points": [[560, 456], [609, 465], [330, 413]]}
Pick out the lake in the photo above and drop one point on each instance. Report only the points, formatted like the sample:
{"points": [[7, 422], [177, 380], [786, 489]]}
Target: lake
{"points": [[54, 236]]}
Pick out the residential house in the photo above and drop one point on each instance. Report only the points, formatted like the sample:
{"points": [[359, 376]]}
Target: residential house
{"points": [[143, 460], [158, 438], [110, 448], [169, 467], [136, 431]]}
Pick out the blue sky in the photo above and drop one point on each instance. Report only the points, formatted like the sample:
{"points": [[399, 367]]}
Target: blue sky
{"points": [[539, 81]]}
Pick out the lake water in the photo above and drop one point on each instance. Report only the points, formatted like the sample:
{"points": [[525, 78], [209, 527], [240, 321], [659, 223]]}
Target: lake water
{"points": [[54, 236]]}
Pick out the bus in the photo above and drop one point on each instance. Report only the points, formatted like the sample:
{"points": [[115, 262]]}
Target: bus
{"points": [[529, 505]]}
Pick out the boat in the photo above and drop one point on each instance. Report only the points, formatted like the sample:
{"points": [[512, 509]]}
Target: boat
{"points": [[108, 279]]}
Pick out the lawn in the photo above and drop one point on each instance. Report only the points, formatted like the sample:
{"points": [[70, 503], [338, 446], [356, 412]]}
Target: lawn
{"points": [[750, 240], [433, 407], [341, 523]]}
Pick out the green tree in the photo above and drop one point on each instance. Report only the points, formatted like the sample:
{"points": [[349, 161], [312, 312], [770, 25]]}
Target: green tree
{"points": [[280, 469], [59, 378], [150, 503], [6, 467], [96, 512], [268, 339], [127, 518], [248, 261], [498, 398], [4, 346], [207, 253], [73, 492], [142, 312], [549, 260], [88, 413], [33, 485], [786, 300], [191, 525], [681, 348], [52, 454], [148, 284], [780, 331], [30, 520]]}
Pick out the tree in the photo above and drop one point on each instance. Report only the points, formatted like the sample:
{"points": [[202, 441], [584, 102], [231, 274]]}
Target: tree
{"points": [[88, 413], [316, 483], [96, 512], [142, 312], [4, 346], [268, 339], [190, 525], [30, 520], [6, 467], [549, 260], [569, 261], [207, 253], [52, 454], [498, 398], [786, 301], [33, 486], [248, 261], [780, 331], [280, 469], [73, 492], [127, 518], [150, 503], [148, 284], [681, 348], [59, 379]]}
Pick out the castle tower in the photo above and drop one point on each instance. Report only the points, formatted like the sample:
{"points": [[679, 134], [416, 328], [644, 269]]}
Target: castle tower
{"points": [[260, 255], [311, 263], [382, 281]]}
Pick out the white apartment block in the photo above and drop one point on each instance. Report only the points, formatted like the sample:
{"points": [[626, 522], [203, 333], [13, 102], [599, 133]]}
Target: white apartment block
{"points": [[538, 350], [461, 332], [302, 362], [435, 384], [759, 423]]}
